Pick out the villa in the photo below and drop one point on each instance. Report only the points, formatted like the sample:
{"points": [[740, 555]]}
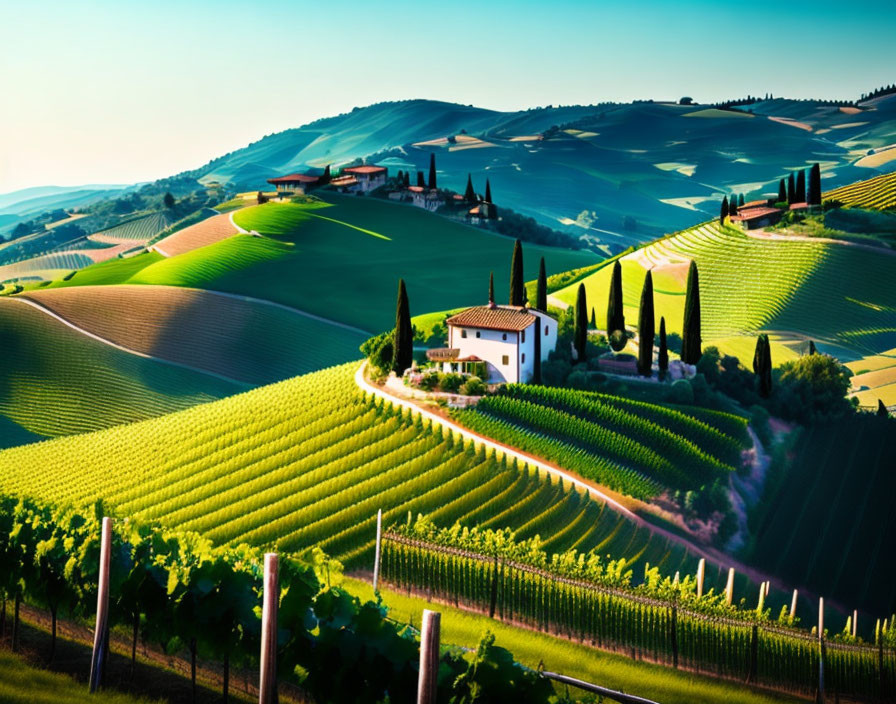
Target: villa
{"points": [[510, 341], [368, 178], [293, 184]]}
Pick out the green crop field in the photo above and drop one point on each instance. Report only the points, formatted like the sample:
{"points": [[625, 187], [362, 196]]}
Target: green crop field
{"points": [[830, 523], [138, 230], [878, 193], [831, 293], [309, 461], [343, 261], [57, 381]]}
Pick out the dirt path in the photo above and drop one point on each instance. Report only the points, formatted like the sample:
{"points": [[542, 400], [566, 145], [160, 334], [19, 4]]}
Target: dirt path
{"points": [[761, 234]]}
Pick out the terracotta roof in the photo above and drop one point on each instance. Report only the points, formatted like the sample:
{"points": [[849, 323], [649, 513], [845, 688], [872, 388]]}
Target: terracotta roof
{"points": [[416, 189], [294, 178], [799, 206], [753, 213], [364, 169], [344, 181], [474, 211], [499, 318], [755, 204]]}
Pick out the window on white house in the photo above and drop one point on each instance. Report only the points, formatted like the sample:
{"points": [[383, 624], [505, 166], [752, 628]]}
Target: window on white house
{"points": [[523, 339], [524, 359], [545, 330], [505, 360], [463, 333], [504, 336], [477, 333]]}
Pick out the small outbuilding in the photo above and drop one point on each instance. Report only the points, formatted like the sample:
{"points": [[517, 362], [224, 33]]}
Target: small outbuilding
{"points": [[294, 184], [368, 177]]}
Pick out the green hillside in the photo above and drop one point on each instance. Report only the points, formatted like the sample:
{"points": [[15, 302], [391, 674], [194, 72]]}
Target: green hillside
{"points": [[57, 381], [342, 261], [878, 193]]}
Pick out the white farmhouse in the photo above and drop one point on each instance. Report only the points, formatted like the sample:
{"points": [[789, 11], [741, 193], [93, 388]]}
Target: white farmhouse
{"points": [[512, 341]]}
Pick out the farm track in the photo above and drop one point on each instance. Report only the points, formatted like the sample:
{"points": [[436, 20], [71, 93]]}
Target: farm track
{"points": [[595, 490]]}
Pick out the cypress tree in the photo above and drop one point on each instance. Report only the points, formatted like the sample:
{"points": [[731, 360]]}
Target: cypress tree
{"points": [[724, 212], [791, 189], [882, 409], [801, 186], [782, 191], [420, 181], [403, 342], [407, 179], [663, 357], [469, 194], [815, 185], [541, 288], [491, 287], [593, 319], [690, 329], [740, 201], [812, 349], [326, 175], [432, 171], [646, 331], [762, 365], [732, 205], [488, 191], [580, 339], [517, 285], [615, 314]]}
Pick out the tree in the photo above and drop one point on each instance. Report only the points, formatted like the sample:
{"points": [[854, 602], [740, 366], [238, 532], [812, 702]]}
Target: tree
{"points": [[488, 191], [403, 355], [491, 287], [469, 193], [168, 200], [615, 314], [420, 181], [732, 205], [812, 349], [407, 179], [812, 388], [580, 337], [593, 319], [801, 186], [724, 211], [814, 194], [517, 285], [663, 356], [432, 171], [325, 178], [690, 330], [261, 198], [541, 288], [740, 201], [882, 409], [791, 189], [782, 191], [646, 324], [762, 365]]}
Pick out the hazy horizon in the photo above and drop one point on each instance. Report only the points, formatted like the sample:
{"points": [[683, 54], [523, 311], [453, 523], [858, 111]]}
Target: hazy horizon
{"points": [[116, 93]]}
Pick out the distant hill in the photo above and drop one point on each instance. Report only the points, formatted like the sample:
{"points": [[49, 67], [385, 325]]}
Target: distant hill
{"points": [[21, 205], [619, 173]]}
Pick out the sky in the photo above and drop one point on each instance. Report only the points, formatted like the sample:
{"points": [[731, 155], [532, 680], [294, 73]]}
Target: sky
{"points": [[126, 91]]}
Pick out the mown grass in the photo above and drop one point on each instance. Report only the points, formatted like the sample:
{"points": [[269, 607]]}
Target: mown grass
{"points": [[533, 649]]}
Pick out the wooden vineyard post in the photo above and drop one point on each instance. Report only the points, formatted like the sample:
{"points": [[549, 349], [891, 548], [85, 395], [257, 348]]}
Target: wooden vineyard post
{"points": [[379, 549], [101, 634], [729, 588], [429, 657], [267, 678], [701, 573], [793, 605], [820, 696], [673, 636], [493, 592], [855, 622]]}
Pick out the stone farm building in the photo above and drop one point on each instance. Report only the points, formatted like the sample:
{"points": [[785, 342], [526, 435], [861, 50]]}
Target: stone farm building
{"points": [[293, 184], [751, 218], [366, 178], [512, 342]]}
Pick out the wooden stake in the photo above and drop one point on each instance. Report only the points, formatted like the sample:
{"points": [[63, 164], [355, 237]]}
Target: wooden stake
{"points": [[793, 605], [701, 572], [101, 634], [429, 657], [729, 588], [820, 695], [855, 621], [267, 676], [379, 547]]}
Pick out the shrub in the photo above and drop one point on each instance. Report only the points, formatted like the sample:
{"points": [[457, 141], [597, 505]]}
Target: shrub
{"points": [[618, 340], [682, 392], [474, 386], [450, 382], [429, 380]]}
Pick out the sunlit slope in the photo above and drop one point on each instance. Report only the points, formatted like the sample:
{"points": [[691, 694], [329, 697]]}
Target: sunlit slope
{"points": [[834, 294], [878, 193], [57, 381], [240, 338], [310, 461]]}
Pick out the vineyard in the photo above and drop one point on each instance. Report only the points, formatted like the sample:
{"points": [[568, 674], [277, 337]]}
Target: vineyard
{"points": [[843, 471], [583, 597], [878, 193], [136, 231], [57, 381], [632, 447], [45, 266], [832, 293], [225, 335]]}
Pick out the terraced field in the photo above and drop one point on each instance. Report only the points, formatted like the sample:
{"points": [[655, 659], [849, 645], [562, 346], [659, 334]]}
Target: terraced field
{"points": [[878, 193], [208, 231], [46, 266], [309, 461], [136, 231], [247, 340], [832, 293], [57, 381]]}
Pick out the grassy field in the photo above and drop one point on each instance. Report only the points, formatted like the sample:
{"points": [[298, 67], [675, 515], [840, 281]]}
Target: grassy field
{"points": [[308, 461], [243, 339], [57, 381], [829, 524], [798, 290], [617, 672], [878, 193]]}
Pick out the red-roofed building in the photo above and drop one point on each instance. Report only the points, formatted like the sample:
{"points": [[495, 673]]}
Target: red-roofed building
{"points": [[753, 218], [368, 177], [799, 206], [294, 184]]}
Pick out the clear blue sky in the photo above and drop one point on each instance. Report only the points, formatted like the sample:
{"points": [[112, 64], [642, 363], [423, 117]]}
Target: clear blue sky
{"points": [[123, 91]]}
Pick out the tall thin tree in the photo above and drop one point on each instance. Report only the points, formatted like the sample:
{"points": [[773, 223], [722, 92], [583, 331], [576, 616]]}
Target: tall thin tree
{"points": [[517, 285], [791, 189], [420, 182], [724, 211], [646, 322], [801, 186], [469, 193], [740, 200], [491, 287], [541, 288], [691, 350], [580, 337], [403, 342], [815, 184], [432, 171], [762, 366], [662, 359], [615, 313], [782, 191], [882, 409], [488, 191]]}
